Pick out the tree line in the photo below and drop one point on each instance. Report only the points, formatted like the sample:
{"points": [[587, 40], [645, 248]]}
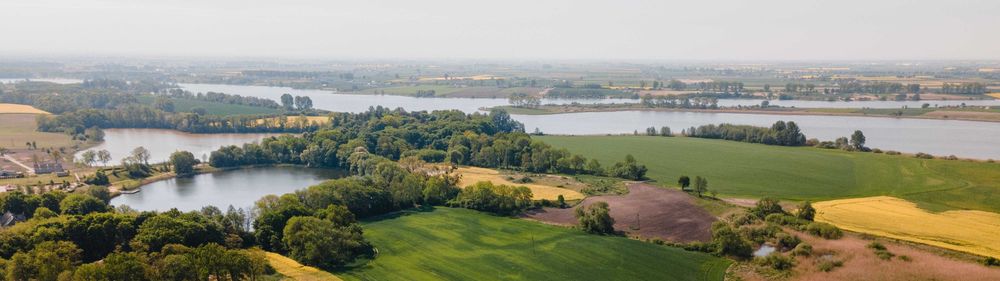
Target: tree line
{"points": [[142, 116], [781, 133]]}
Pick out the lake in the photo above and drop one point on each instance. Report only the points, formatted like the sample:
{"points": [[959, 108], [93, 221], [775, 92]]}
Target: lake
{"points": [[239, 188], [340, 102], [968, 139], [161, 143], [939, 137]]}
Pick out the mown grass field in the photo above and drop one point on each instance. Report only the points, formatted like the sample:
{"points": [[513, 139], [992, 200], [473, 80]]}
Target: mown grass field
{"points": [[974, 232], [213, 108], [293, 270], [737, 169], [472, 175], [460, 244], [16, 129]]}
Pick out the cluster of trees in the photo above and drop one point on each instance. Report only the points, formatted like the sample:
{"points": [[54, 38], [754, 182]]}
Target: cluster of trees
{"points": [[664, 132], [524, 100], [974, 88], [81, 238], [301, 103], [781, 133], [500, 199], [587, 92], [141, 116], [855, 143], [596, 218], [222, 98], [649, 100], [870, 87], [486, 140]]}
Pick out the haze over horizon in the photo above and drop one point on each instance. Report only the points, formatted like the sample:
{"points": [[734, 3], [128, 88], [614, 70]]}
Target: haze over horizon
{"points": [[446, 29]]}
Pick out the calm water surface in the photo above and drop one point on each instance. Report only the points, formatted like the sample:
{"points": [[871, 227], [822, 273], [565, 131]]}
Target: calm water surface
{"points": [[238, 188], [938, 137], [161, 143]]}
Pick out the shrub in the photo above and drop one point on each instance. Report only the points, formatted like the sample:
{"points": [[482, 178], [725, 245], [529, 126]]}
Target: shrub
{"points": [[991, 261], [803, 249], [786, 241], [829, 264], [905, 258], [876, 150], [892, 152], [759, 234], [952, 157], [922, 155], [766, 206], [880, 250], [824, 230], [596, 218], [776, 261], [728, 242]]}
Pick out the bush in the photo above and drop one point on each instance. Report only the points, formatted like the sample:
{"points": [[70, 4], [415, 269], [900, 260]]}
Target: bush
{"points": [[596, 218], [952, 157], [905, 258], [922, 155], [892, 152], [803, 249], [776, 261], [766, 206], [786, 241], [880, 250], [991, 261], [876, 150], [828, 265], [785, 220], [824, 230], [759, 234], [728, 242]]}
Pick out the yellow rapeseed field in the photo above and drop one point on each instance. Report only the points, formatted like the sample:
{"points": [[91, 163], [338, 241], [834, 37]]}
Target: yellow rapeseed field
{"points": [[472, 175], [293, 270], [20, 108], [974, 232]]}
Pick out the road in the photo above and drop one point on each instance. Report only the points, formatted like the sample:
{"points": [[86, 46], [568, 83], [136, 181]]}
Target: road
{"points": [[28, 170]]}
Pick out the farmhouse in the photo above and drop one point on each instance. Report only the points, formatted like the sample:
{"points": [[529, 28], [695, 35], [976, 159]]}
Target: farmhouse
{"points": [[9, 219], [48, 167]]}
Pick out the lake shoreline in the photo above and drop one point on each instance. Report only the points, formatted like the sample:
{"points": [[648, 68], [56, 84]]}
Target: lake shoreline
{"points": [[554, 110], [206, 169]]}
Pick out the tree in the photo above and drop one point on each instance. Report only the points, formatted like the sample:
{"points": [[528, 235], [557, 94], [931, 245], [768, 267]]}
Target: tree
{"points": [[288, 101], [104, 157], [629, 169], [183, 162], [684, 182], [806, 211], [321, 243], [700, 185], [766, 206], [88, 157], [100, 192], [303, 102], [728, 242], [561, 201], [596, 218], [79, 204], [163, 103], [141, 155], [858, 140]]}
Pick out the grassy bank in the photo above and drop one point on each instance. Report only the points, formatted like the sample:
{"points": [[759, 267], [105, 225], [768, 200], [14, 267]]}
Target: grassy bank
{"points": [[736, 169], [460, 244]]}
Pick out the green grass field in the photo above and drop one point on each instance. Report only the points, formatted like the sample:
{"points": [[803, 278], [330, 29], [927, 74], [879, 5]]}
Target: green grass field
{"points": [[461, 244], [736, 169], [213, 108]]}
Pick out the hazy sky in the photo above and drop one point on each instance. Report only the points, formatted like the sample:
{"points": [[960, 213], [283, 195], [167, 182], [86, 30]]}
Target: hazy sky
{"points": [[462, 29]]}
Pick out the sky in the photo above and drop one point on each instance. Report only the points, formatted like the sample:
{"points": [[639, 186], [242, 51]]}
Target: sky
{"points": [[513, 29]]}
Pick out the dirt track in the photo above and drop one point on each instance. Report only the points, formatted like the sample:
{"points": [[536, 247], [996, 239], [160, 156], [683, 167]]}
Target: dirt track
{"points": [[662, 213]]}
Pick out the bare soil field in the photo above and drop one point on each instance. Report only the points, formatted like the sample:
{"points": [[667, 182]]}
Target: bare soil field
{"points": [[861, 263], [646, 211]]}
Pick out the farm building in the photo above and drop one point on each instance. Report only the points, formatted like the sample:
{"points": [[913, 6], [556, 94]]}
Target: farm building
{"points": [[5, 174], [48, 167], [9, 219]]}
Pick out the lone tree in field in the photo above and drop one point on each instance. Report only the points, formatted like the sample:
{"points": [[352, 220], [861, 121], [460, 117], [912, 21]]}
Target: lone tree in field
{"points": [[700, 185], [806, 211], [858, 140], [104, 156], [183, 162], [596, 218], [684, 182]]}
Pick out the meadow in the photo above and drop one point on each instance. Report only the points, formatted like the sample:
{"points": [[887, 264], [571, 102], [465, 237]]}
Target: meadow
{"points": [[293, 270], [736, 169], [968, 231], [213, 108], [461, 244], [472, 175]]}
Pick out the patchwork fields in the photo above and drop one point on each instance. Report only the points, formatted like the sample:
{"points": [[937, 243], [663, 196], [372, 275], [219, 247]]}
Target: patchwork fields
{"points": [[461, 244], [736, 169]]}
